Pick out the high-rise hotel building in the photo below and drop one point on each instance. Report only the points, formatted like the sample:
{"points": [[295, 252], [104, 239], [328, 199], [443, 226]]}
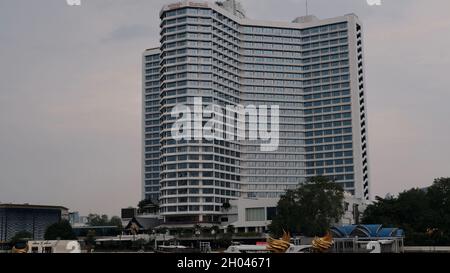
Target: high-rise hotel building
{"points": [[312, 69]]}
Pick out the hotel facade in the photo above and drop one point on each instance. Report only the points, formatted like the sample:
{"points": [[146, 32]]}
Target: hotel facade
{"points": [[311, 69]]}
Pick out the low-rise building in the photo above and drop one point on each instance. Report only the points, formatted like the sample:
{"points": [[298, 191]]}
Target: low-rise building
{"points": [[34, 219], [255, 215], [249, 215], [147, 219]]}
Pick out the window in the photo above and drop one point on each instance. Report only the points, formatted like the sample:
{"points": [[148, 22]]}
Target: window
{"points": [[254, 214]]}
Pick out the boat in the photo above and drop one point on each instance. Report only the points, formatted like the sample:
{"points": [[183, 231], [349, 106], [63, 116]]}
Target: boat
{"points": [[263, 249], [175, 249]]}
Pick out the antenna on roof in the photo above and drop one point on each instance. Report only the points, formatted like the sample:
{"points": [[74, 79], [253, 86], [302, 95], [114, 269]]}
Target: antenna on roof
{"points": [[307, 13]]}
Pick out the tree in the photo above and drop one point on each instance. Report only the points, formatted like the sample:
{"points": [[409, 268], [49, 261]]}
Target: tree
{"points": [[143, 203], [90, 240], [177, 231], [230, 229], [96, 220], [410, 209], [20, 236], [206, 230], [226, 206], [148, 206], [162, 230], [439, 201], [310, 209], [116, 221], [424, 214], [60, 231], [197, 230]]}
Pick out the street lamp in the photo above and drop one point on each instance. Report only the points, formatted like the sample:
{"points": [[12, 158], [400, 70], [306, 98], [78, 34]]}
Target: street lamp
{"points": [[154, 237], [213, 233]]}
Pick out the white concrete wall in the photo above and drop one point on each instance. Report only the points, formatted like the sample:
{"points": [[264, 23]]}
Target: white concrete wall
{"points": [[237, 213]]}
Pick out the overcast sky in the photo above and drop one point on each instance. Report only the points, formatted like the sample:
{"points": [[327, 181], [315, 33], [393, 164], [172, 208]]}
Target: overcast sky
{"points": [[70, 91]]}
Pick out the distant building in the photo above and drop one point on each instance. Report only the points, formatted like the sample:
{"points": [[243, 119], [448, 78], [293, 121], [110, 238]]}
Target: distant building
{"points": [[128, 213], [31, 218], [76, 220], [74, 217]]}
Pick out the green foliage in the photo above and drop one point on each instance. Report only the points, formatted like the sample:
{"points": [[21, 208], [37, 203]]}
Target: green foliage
{"points": [[97, 220], [197, 227], [224, 241], [116, 221], [226, 205], [230, 229], [206, 230], [215, 228], [162, 230], [90, 239], [143, 203], [148, 206], [310, 209], [186, 232], [21, 235], [424, 214], [177, 231], [60, 231]]}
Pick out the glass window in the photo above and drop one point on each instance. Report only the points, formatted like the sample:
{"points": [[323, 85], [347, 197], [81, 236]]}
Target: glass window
{"points": [[255, 214]]}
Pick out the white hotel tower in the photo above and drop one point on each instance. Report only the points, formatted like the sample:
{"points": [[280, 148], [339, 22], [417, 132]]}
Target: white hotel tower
{"points": [[312, 69]]}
